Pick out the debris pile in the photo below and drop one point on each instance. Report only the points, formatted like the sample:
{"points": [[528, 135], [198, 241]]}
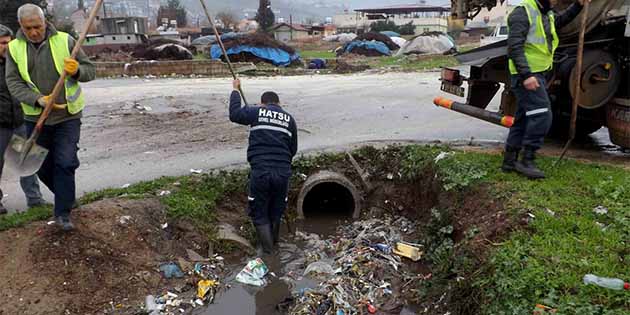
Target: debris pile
{"points": [[164, 50], [429, 43], [256, 47], [359, 271], [342, 38], [198, 287], [371, 44]]}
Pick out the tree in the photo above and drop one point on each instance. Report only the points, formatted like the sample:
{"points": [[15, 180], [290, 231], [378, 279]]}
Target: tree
{"points": [[382, 26], [181, 16], [407, 29], [228, 19], [9, 11], [265, 16]]}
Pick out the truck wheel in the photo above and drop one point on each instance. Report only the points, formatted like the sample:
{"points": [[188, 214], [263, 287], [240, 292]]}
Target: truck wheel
{"points": [[562, 122]]}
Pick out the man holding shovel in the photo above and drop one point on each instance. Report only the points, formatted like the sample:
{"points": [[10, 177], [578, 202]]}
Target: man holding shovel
{"points": [[12, 121], [37, 57]]}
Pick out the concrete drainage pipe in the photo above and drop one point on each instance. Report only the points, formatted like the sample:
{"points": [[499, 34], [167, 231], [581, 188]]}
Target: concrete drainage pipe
{"points": [[329, 193]]}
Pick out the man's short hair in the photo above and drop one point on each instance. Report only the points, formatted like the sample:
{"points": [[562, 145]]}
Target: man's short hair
{"points": [[5, 31], [29, 10], [270, 98]]}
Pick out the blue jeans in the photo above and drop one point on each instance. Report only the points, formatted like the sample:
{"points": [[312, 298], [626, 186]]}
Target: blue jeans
{"points": [[533, 117], [268, 193], [29, 184], [58, 170]]}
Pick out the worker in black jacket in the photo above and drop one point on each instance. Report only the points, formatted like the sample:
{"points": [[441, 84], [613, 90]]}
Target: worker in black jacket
{"points": [[532, 42], [12, 121], [273, 142]]}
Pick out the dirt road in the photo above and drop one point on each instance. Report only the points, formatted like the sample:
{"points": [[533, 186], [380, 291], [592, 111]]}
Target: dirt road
{"points": [[141, 129]]}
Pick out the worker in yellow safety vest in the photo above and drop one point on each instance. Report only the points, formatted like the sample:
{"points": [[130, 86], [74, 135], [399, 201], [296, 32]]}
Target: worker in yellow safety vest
{"points": [[532, 42], [37, 57]]}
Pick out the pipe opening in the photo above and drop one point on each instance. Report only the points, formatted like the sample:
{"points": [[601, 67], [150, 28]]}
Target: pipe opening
{"points": [[329, 199]]}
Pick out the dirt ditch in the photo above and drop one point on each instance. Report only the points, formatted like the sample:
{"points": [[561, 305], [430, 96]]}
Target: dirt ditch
{"points": [[111, 263]]}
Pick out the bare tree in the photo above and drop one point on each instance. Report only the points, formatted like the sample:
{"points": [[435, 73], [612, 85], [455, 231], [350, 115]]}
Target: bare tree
{"points": [[228, 19]]}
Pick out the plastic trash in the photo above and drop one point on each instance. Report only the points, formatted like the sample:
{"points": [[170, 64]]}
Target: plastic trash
{"points": [[371, 309], [254, 273], [609, 283], [323, 308], [319, 267], [383, 248], [171, 270], [152, 307], [205, 286], [407, 250]]}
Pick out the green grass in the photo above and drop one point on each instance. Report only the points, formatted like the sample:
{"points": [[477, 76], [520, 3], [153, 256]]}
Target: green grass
{"points": [[323, 54], [409, 64], [543, 262]]}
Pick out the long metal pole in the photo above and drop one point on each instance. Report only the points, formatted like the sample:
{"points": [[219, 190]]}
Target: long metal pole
{"points": [[227, 58], [578, 82]]}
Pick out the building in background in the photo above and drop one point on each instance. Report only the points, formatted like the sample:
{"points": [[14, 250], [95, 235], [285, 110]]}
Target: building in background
{"points": [[495, 17], [424, 18], [286, 32]]}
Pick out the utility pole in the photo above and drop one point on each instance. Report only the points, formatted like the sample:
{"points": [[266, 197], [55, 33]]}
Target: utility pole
{"points": [[291, 25]]}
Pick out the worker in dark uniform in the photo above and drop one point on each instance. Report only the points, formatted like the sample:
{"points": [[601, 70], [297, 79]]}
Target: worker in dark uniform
{"points": [[273, 142], [532, 42]]}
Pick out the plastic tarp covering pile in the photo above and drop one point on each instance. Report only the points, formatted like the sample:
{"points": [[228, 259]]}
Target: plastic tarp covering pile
{"points": [[342, 38], [276, 56], [432, 44], [211, 39], [390, 33], [364, 47], [399, 41]]}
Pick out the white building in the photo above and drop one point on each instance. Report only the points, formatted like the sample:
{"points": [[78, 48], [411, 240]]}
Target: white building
{"points": [[425, 18], [497, 16]]}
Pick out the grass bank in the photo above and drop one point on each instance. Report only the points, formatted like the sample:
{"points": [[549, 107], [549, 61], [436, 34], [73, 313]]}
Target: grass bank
{"points": [[555, 239]]}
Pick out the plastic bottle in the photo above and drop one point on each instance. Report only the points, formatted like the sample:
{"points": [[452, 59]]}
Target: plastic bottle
{"points": [[609, 283]]}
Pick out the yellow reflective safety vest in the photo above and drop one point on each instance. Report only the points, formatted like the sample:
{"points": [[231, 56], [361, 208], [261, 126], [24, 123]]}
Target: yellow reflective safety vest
{"points": [[60, 50], [537, 53]]}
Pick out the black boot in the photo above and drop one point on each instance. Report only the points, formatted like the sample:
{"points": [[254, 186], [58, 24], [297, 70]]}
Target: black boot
{"points": [[265, 239], [275, 229], [510, 157], [527, 165]]}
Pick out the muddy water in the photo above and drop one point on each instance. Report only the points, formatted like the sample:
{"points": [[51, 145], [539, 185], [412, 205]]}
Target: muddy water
{"points": [[249, 300]]}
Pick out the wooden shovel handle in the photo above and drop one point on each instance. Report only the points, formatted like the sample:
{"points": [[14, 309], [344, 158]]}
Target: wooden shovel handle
{"points": [[62, 77]]}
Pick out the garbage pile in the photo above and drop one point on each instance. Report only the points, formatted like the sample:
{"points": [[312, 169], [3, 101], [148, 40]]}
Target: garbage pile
{"points": [[371, 44], [429, 43], [256, 47], [342, 38], [198, 285], [164, 50], [361, 270]]}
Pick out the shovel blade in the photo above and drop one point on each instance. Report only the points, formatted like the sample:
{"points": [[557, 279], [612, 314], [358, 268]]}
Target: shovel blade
{"points": [[24, 156]]}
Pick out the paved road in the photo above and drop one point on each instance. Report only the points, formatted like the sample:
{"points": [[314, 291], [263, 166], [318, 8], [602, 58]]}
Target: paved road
{"points": [[187, 127]]}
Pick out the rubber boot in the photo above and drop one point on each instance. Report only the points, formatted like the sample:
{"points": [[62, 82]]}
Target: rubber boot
{"points": [[275, 229], [510, 157], [265, 239], [527, 165]]}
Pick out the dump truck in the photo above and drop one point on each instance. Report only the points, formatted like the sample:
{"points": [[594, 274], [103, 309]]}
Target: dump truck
{"points": [[605, 78]]}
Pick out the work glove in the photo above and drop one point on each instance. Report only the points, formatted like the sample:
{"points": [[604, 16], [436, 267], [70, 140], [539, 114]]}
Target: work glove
{"points": [[42, 101], [71, 66]]}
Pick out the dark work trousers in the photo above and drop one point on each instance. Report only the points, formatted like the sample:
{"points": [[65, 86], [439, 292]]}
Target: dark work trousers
{"points": [[268, 194], [57, 172], [533, 117], [29, 184]]}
